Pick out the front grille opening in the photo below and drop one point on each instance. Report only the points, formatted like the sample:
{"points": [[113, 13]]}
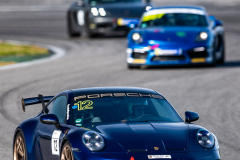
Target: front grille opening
{"points": [[168, 58], [201, 54], [104, 25], [140, 55]]}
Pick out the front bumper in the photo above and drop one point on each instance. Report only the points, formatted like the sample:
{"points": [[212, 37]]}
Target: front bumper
{"points": [[109, 24], [149, 57], [207, 155]]}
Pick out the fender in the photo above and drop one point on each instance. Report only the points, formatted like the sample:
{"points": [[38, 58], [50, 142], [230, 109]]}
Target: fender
{"points": [[28, 129]]}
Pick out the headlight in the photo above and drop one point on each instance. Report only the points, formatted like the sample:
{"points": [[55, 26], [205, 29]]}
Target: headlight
{"points": [[203, 35], [100, 11], [205, 138], [93, 141], [137, 37], [94, 11]]}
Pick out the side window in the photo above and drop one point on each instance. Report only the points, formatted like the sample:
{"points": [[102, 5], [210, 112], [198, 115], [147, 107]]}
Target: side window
{"points": [[49, 107], [59, 108]]}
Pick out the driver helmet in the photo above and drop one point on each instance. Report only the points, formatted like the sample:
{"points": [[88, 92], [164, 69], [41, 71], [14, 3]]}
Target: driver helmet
{"points": [[137, 101], [138, 110]]}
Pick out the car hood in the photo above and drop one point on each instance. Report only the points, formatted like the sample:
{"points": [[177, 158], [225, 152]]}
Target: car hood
{"points": [[172, 34], [149, 136], [121, 10]]}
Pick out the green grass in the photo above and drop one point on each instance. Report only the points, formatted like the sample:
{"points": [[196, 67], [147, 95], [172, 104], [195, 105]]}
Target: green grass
{"points": [[7, 50], [10, 54]]}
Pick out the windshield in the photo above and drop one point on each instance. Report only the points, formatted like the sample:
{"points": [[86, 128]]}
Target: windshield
{"points": [[122, 109], [174, 19], [95, 2]]}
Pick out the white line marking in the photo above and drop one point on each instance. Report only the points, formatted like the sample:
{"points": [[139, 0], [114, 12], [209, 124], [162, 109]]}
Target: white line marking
{"points": [[58, 53]]}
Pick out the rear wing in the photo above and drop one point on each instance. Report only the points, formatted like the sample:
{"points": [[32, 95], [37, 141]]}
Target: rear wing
{"points": [[35, 100]]}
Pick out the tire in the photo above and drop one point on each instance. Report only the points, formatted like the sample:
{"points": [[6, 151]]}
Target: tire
{"points": [[66, 152], [222, 59], [70, 31], [131, 66], [91, 35], [213, 64], [19, 148]]}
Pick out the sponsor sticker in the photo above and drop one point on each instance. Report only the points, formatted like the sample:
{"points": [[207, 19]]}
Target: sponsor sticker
{"points": [[181, 34], [74, 107], [78, 120], [141, 61], [198, 60], [126, 21], [68, 111], [159, 156], [55, 142], [165, 52]]}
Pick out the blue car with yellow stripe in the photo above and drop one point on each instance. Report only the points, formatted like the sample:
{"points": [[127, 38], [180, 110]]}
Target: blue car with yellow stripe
{"points": [[176, 35]]}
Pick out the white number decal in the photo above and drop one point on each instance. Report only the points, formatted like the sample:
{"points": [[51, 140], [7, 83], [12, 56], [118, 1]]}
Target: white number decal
{"points": [[55, 142], [80, 17]]}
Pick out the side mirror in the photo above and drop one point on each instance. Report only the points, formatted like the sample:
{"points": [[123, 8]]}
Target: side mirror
{"points": [[133, 24], [218, 23], [214, 21], [191, 116], [80, 3], [148, 1], [50, 119], [211, 18]]}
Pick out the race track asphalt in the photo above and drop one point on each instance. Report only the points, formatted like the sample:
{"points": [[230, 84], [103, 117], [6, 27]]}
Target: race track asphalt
{"points": [[212, 92]]}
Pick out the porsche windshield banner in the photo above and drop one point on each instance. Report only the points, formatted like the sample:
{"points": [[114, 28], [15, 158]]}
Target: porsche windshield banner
{"points": [[118, 95]]}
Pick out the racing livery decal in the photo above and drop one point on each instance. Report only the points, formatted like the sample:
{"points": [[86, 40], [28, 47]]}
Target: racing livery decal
{"points": [[55, 142], [159, 156], [115, 95], [83, 105], [68, 111]]}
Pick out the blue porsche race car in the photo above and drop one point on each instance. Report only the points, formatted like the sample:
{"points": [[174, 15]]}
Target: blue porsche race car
{"points": [[111, 123], [176, 35]]}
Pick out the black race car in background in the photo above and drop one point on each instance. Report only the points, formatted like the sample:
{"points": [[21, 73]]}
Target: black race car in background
{"points": [[104, 16]]}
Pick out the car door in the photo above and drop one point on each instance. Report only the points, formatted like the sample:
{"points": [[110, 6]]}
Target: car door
{"points": [[49, 135], [81, 14]]}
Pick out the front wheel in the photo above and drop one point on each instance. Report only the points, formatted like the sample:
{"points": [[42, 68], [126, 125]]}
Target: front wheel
{"points": [[222, 59], [70, 31], [91, 35], [66, 153], [129, 66], [19, 150]]}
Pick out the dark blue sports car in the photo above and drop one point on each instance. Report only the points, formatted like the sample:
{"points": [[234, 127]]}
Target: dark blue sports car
{"points": [[176, 35], [111, 123]]}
